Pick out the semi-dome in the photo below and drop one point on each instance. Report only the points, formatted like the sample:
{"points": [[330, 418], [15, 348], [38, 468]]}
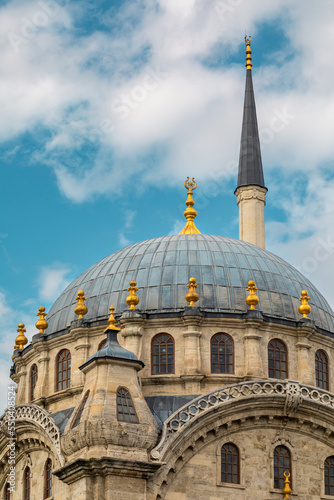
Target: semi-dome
{"points": [[162, 268]]}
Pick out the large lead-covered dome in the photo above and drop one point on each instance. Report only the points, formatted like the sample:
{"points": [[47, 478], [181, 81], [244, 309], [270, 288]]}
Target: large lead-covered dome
{"points": [[162, 268]]}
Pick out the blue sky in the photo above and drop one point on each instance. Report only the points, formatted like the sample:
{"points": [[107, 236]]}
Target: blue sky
{"points": [[106, 108]]}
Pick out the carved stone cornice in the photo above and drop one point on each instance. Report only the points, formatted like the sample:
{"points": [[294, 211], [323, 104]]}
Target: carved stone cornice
{"points": [[105, 466]]}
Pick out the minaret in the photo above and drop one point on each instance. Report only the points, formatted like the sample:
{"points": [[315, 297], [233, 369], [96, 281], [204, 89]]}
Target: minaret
{"points": [[251, 191]]}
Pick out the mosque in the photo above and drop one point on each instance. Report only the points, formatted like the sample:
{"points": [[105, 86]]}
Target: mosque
{"points": [[184, 367]]}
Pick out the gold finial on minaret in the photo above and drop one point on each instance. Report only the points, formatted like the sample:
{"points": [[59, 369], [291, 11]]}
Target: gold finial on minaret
{"points": [[287, 490], [21, 340], [81, 308], [192, 296], [112, 320], [304, 308], [132, 300], [252, 299], [41, 324], [248, 53], [190, 213]]}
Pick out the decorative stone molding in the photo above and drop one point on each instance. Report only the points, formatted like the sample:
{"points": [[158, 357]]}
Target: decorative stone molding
{"points": [[40, 418], [293, 392]]}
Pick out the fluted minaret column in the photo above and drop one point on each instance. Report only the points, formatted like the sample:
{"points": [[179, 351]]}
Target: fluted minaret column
{"points": [[251, 191]]}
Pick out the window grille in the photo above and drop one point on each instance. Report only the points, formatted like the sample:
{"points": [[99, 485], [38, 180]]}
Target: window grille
{"points": [[125, 409], [162, 354], [277, 359], [48, 478], [321, 370], [76, 421], [230, 464], [26, 484], [33, 381], [329, 476], [282, 463], [63, 365], [222, 353]]}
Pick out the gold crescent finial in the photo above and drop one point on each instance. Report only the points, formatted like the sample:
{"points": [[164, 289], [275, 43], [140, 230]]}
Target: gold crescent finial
{"points": [[287, 490], [132, 300], [112, 320], [192, 296], [190, 213], [21, 340], [248, 53], [41, 324], [304, 308], [252, 299], [81, 308]]}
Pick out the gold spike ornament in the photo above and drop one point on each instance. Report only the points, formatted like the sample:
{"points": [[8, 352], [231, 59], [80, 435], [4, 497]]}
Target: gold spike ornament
{"points": [[287, 490], [248, 53], [132, 300], [192, 296], [112, 320], [190, 213], [41, 324], [21, 340], [81, 308], [304, 308], [252, 299]]}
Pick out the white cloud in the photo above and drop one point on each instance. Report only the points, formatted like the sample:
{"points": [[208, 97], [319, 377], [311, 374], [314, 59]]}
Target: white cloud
{"points": [[52, 281], [123, 240], [129, 216], [177, 226], [108, 99]]}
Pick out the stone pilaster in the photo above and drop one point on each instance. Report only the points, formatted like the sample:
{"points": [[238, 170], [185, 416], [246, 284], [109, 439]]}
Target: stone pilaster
{"points": [[305, 367], [131, 323], [192, 320], [42, 389], [251, 201], [253, 337], [80, 333], [20, 378]]}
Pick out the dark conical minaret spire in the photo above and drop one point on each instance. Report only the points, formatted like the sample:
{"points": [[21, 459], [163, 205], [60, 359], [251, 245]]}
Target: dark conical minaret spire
{"points": [[250, 162], [250, 190]]}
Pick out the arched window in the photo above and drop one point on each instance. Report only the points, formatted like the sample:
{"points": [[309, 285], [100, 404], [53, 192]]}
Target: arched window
{"points": [[282, 463], [33, 381], [7, 492], [222, 353], [125, 409], [230, 462], [102, 344], [277, 359], [48, 478], [321, 370], [63, 366], [76, 421], [162, 354], [26, 484], [329, 476]]}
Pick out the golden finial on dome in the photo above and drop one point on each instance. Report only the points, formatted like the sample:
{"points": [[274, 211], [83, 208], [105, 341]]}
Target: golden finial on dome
{"points": [[304, 308], [190, 213], [192, 296], [21, 340], [248, 53], [132, 300], [81, 308], [252, 299], [287, 490], [41, 324], [112, 320]]}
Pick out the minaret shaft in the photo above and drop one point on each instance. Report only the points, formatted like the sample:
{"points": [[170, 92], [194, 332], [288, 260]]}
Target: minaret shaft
{"points": [[251, 191]]}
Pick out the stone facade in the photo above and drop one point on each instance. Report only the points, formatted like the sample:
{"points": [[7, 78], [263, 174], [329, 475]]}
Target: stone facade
{"points": [[103, 458]]}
